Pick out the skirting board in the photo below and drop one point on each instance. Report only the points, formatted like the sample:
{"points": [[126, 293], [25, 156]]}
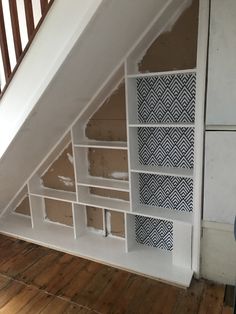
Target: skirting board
{"points": [[218, 253]]}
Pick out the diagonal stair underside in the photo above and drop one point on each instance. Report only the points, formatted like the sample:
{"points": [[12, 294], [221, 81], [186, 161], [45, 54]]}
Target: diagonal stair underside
{"points": [[95, 51]]}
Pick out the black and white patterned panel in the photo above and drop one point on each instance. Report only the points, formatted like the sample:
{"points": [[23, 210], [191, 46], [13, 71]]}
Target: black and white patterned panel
{"points": [[166, 98], [154, 232], [166, 147], [166, 191]]}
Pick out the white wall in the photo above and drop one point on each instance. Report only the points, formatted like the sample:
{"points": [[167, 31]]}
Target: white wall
{"points": [[221, 96], [218, 247]]}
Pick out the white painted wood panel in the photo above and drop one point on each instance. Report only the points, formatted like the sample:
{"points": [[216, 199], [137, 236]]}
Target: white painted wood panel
{"points": [[220, 177], [221, 96], [182, 240]]}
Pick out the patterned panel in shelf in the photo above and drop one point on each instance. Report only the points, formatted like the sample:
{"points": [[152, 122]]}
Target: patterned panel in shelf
{"points": [[166, 191], [166, 147], [166, 98], [154, 232]]}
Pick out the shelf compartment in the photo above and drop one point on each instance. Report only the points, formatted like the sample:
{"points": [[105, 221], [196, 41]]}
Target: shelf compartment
{"points": [[102, 144], [162, 97], [59, 212], [162, 147], [59, 195], [109, 184], [105, 202], [170, 240], [160, 191], [154, 232]]}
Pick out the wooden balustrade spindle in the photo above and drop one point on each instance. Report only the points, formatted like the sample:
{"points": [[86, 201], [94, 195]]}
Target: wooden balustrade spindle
{"points": [[29, 17], [3, 45], [31, 30], [15, 28], [44, 6]]}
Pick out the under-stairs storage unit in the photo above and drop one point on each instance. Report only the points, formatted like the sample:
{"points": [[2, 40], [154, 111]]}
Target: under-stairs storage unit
{"points": [[156, 203]]}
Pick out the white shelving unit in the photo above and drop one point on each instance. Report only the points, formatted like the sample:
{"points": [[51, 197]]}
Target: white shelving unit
{"points": [[161, 121], [162, 216]]}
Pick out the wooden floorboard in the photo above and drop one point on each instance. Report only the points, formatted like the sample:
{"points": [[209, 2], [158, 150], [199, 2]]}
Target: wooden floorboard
{"points": [[34, 279]]}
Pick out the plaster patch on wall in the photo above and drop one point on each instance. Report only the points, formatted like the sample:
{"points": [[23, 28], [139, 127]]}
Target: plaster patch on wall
{"points": [[108, 222], [176, 47], [70, 158], [60, 174], [120, 175], [66, 180]]}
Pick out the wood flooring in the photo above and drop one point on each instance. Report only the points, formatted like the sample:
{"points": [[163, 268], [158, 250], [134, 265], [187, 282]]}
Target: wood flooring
{"points": [[35, 279]]}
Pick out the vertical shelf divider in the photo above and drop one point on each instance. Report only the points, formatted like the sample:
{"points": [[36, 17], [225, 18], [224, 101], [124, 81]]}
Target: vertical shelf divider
{"points": [[79, 218], [182, 244]]}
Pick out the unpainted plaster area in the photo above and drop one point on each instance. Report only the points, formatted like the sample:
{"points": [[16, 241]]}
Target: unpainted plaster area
{"points": [[94, 217], [108, 163], [24, 207], [175, 49], [58, 211], [60, 175], [110, 193], [109, 122], [115, 223]]}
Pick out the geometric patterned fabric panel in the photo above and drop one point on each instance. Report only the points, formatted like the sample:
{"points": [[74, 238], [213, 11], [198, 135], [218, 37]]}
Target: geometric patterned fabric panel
{"points": [[166, 98], [166, 147], [154, 232], [166, 191]]}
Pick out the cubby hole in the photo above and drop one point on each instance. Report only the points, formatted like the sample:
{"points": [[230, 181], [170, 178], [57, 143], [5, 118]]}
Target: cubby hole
{"points": [[160, 191], [176, 48], [108, 163], [162, 147], [23, 208], [58, 212], [162, 98], [108, 123], [60, 174], [95, 219], [114, 223]]}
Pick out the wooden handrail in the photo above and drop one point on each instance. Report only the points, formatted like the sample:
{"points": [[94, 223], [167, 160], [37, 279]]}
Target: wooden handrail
{"points": [[15, 50]]}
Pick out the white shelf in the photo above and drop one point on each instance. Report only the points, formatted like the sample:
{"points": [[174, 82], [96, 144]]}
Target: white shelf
{"points": [[162, 125], [168, 171], [142, 259], [103, 183], [150, 74], [105, 202], [103, 144], [59, 195], [162, 213]]}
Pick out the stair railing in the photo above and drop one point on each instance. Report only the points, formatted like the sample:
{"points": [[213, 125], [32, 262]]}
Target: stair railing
{"points": [[19, 22]]}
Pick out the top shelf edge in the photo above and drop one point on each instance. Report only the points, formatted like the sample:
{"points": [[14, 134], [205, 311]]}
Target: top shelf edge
{"points": [[148, 74], [161, 124]]}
